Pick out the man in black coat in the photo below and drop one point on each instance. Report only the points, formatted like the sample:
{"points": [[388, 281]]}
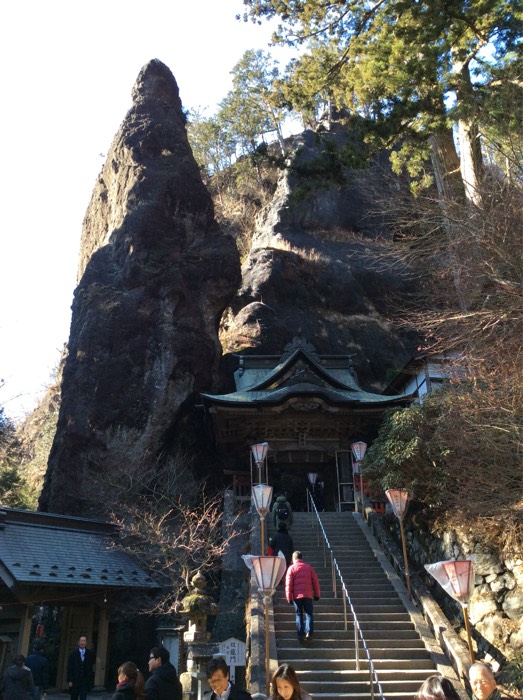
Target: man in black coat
{"points": [[221, 687], [80, 670], [163, 683], [39, 665]]}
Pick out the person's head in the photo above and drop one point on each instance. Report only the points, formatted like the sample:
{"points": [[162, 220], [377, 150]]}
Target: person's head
{"points": [[19, 660], [437, 688], [218, 675], [482, 680], [285, 683], [130, 672], [38, 647], [82, 641], [158, 657], [296, 556]]}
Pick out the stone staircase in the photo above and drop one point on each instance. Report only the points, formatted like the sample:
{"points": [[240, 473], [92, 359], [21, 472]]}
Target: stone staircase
{"points": [[326, 665]]}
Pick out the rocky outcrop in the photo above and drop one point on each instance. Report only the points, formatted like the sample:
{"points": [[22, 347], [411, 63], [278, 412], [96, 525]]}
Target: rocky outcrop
{"points": [[320, 265], [496, 606], [155, 274]]}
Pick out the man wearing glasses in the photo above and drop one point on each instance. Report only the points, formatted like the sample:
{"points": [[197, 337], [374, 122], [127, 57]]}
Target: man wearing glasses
{"points": [[163, 683], [221, 687]]}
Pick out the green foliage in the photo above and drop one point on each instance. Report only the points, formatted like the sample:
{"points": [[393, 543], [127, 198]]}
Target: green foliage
{"points": [[397, 62], [14, 491], [512, 675], [249, 112], [402, 455], [318, 173]]}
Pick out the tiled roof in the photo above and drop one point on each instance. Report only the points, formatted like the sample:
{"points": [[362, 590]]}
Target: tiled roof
{"points": [[332, 395], [43, 549]]}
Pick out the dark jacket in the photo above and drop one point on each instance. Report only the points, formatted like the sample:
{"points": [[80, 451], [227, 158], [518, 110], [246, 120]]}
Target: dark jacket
{"points": [[287, 521], [282, 542], [495, 695], [17, 683], [80, 672], [235, 694], [39, 665], [164, 684], [124, 691]]}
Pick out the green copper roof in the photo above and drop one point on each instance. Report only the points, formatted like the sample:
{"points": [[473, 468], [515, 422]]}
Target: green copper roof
{"points": [[300, 373], [276, 396]]}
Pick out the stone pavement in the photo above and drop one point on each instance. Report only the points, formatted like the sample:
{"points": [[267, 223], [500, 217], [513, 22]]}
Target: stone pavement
{"points": [[94, 695]]}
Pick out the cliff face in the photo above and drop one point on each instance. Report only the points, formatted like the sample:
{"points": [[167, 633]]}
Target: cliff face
{"points": [[155, 274], [320, 264]]}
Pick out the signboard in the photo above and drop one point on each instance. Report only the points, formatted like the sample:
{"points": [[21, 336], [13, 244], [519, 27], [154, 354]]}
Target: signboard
{"points": [[233, 651]]}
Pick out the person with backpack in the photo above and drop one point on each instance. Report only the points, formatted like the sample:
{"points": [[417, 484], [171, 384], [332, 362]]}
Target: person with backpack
{"points": [[282, 512]]}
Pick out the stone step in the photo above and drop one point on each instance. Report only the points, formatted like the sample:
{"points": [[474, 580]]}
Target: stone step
{"points": [[326, 663], [346, 651], [421, 665], [405, 685], [363, 618], [331, 634], [361, 696], [325, 607], [321, 624]]}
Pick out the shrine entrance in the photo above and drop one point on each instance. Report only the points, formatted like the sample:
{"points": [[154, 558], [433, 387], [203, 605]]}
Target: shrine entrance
{"points": [[310, 409]]}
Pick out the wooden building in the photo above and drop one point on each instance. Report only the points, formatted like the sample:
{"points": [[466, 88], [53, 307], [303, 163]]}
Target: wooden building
{"points": [[68, 568], [310, 409]]}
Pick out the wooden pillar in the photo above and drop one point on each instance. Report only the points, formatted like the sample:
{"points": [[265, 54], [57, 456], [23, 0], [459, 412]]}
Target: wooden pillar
{"points": [[26, 620], [101, 648]]}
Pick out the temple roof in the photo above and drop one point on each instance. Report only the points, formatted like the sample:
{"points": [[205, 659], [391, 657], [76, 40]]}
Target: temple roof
{"points": [[48, 549], [267, 380]]}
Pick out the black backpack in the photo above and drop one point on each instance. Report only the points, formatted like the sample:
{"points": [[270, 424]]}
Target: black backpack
{"points": [[282, 511]]}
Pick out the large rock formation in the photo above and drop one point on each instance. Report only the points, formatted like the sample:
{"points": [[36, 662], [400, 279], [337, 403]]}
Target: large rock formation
{"points": [[155, 274], [320, 264]]}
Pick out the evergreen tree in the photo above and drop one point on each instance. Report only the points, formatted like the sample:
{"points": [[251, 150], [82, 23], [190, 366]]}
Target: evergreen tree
{"points": [[400, 62]]}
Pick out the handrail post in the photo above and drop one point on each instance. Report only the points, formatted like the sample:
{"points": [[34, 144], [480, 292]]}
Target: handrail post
{"points": [[373, 677], [356, 646]]}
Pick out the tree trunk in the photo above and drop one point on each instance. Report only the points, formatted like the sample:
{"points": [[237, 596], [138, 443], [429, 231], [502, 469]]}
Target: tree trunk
{"points": [[469, 144], [446, 164]]}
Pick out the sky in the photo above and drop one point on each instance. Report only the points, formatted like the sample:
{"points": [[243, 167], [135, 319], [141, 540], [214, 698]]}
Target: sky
{"points": [[68, 71]]}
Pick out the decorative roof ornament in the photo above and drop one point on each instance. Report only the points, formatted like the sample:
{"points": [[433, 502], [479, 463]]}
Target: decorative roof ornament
{"points": [[299, 342]]}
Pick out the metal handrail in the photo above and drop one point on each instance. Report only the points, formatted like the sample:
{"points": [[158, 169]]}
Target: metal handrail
{"points": [[358, 634]]}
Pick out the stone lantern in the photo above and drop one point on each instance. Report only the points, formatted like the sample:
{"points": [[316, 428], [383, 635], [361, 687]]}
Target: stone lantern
{"points": [[197, 606]]}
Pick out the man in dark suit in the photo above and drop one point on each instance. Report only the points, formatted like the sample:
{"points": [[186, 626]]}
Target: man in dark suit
{"points": [[221, 687], [80, 670]]}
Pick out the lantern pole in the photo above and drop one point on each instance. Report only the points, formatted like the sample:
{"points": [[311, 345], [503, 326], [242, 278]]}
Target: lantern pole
{"points": [[456, 577], [268, 572], [407, 575], [262, 495], [358, 450], [469, 636], [399, 500]]}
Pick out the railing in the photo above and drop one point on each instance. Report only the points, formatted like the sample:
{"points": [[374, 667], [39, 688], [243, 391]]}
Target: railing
{"points": [[358, 634]]}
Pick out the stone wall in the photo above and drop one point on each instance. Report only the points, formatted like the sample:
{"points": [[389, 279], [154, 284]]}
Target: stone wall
{"points": [[496, 608]]}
